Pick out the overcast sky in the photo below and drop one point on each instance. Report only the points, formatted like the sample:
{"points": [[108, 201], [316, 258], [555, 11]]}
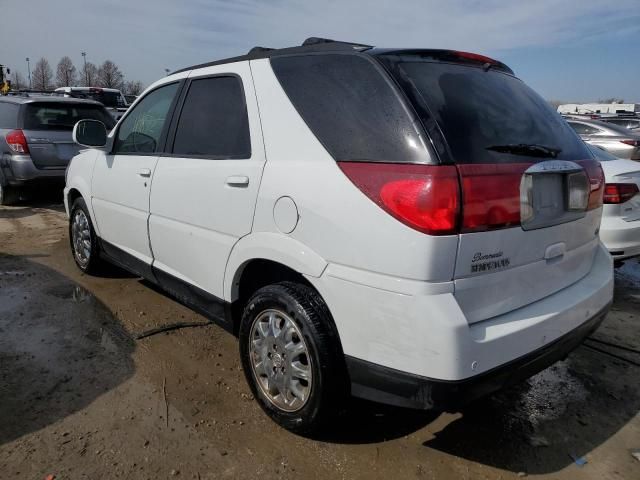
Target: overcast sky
{"points": [[565, 49]]}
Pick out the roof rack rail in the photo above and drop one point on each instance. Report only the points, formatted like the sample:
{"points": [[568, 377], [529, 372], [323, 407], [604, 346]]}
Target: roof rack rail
{"points": [[317, 40], [260, 50], [310, 45]]}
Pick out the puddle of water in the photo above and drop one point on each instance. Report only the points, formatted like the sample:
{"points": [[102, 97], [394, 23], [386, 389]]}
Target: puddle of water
{"points": [[629, 274], [75, 293], [549, 395], [60, 348]]}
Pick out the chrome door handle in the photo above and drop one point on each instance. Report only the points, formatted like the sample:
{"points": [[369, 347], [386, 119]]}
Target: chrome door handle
{"points": [[237, 181], [144, 172]]}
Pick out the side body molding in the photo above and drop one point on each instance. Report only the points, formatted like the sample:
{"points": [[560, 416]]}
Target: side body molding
{"points": [[269, 246]]}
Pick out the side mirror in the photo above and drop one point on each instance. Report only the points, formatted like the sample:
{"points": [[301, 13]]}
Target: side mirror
{"points": [[90, 133]]}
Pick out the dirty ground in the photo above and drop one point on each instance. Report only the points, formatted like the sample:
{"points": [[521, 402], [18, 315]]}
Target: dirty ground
{"points": [[81, 398]]}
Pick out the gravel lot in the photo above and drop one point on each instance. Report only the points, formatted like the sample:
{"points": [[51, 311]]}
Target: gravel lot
{"points": [[81, 398]]}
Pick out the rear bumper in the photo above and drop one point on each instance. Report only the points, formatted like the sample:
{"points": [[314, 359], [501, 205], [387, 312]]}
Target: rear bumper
{"points": [[621, 238], [386, 385], [416, 348], [20, 169]]}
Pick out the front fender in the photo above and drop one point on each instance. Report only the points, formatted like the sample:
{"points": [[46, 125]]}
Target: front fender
{"points": [[269, 246], [79, 178]]}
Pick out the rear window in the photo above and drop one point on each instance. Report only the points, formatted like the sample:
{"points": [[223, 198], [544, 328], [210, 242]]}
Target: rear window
{"points": [[108, 99], [8, 115], [600, 154], [477, 109], [63, 116], [351, 108], [583, 129]]}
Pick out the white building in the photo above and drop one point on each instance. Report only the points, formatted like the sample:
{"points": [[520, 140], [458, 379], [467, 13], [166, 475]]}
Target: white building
{"points": [[599, 107]]}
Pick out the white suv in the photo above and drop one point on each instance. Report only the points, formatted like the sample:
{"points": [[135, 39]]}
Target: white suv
{"points": [[415, 227]]}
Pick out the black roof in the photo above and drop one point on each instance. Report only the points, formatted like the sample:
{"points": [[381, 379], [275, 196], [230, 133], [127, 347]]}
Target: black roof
{"points": [[325, 45], [310, 45]]}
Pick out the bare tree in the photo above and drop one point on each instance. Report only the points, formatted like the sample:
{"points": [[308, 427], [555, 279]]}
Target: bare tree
{"points": [[89, 75], [110, 75], [133, 88], [18, 82], [66, 73], [42, 75]]}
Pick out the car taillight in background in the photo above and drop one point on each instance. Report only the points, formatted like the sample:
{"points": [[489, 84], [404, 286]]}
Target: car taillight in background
{"points": [[615, 193], [424, 197], [17, 141], [633, 143], [596, 182]]}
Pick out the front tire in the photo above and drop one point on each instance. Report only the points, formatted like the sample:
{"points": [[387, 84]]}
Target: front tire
{"points": [[83, 238], [292, 358]]}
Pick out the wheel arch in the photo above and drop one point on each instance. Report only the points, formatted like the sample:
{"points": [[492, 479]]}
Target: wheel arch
{"points": [[79, 189], [281, 255]]}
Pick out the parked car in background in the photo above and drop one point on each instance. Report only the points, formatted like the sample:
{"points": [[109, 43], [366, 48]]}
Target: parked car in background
{"points": [[111, 98], [620, 227], [227, 184], [130, 99], [618, 141], [629, 123], [35, 138]]}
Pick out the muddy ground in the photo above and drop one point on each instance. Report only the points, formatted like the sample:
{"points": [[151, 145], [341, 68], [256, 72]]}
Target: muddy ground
{"points": [[80, 398]]}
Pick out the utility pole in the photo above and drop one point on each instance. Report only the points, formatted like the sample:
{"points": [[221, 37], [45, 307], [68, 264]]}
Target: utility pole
{"points": [[29, 70], [86, 74]]}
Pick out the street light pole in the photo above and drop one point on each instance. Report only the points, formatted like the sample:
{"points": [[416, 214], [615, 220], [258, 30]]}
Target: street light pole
{"points": [[86, 74], [29, 70], [166, 70]]}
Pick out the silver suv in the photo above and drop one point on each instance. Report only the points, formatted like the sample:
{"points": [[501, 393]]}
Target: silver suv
{"points": [[35, 138]]}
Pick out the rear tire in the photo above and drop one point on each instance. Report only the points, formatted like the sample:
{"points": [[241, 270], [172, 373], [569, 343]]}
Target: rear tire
{"points": [[292, 358], [8, 195], [83, 239]]}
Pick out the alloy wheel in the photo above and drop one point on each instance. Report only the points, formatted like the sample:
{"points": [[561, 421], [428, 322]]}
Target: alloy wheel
{"points": [[81, 237], [280, 360]]}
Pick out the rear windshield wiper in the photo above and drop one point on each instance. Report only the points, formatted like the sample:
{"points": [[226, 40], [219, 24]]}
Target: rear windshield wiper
{"points": [[530, 149]]}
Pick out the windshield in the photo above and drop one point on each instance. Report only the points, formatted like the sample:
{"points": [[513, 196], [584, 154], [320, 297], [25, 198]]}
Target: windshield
{"points": [[63, 116], [486, 116]]}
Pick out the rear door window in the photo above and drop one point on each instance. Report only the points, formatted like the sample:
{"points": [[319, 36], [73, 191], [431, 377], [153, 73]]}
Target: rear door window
{"points": [[480, 111], [62, 116], [213, 121], [351, 107], [9, 115]]}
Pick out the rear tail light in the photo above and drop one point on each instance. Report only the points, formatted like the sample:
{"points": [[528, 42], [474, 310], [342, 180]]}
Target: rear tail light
{"points": [[596, 182], [633, 143], [491, 195], [424, 197], [17, 141], [615, 193], [476, 57], [446, 199]]}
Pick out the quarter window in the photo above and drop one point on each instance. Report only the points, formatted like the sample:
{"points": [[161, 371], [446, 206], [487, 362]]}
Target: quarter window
{"points": [[213, 121], [140, 131]]}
